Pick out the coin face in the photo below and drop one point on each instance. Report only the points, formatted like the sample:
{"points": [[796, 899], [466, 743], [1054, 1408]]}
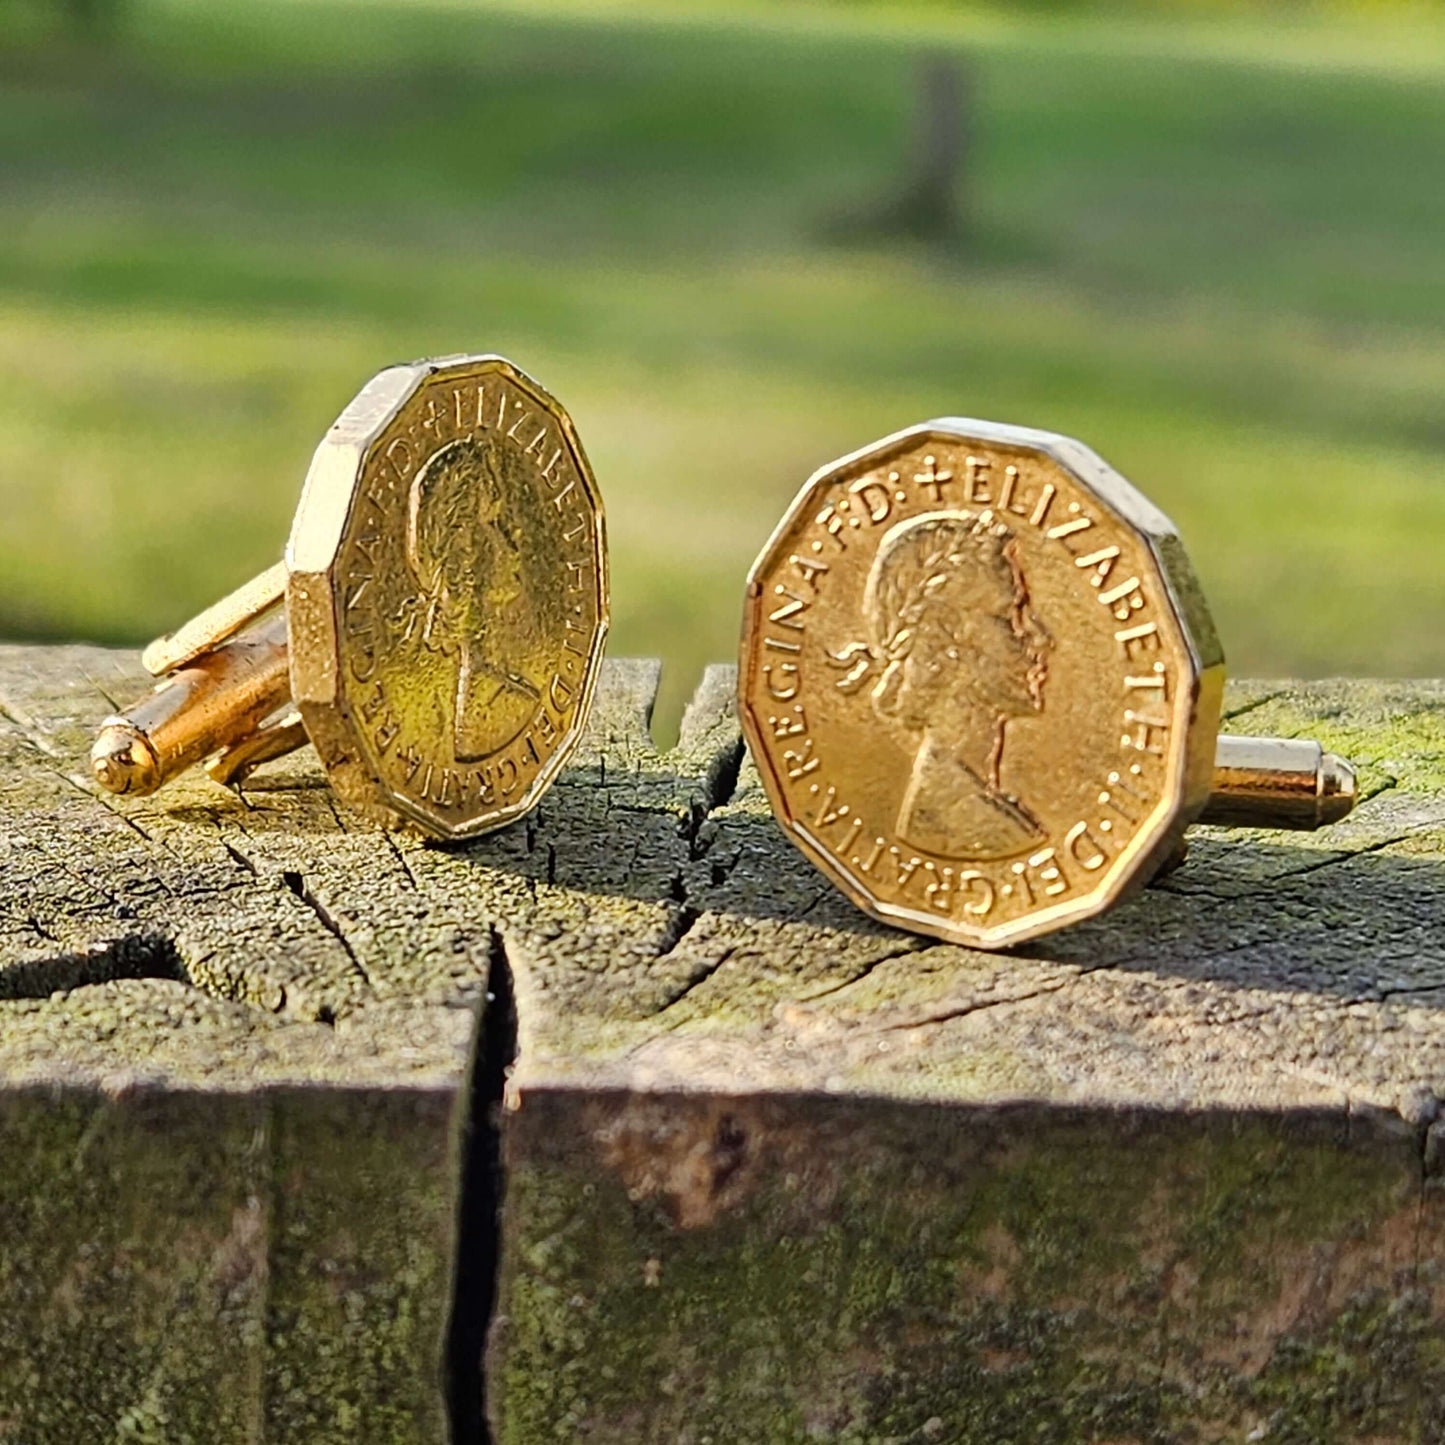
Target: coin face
{"points": [[979, 681], [447, 594]]}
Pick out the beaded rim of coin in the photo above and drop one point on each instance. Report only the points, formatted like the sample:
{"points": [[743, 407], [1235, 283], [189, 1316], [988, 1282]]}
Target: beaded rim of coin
{"points": [[783, 588], [331, 501]]}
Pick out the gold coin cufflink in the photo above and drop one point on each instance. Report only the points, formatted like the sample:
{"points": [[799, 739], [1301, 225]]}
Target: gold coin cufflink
{"points": [[435, 629], [983, 690]]}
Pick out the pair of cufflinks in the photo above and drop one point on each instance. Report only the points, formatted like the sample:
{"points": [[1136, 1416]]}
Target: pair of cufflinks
{"points": [[977, 675]]}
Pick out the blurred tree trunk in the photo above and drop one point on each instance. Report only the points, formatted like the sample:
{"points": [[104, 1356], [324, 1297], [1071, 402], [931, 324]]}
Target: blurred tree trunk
{"points": [[929, 204]]}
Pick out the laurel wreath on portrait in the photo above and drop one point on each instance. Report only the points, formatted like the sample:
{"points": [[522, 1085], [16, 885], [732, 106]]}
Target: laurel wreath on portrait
{"points": [[905, 601]]}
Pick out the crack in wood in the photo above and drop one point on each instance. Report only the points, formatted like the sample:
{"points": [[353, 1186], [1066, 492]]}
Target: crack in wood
{"points": [[402, 860], [723, 777], [38, 927], [238, 857], [975, 1006], [680, 923], [694, 982], [480, 1203], [905, 952], [297, 885], [1334, 859], [102, 692], [1253, 705], [27, 730]]}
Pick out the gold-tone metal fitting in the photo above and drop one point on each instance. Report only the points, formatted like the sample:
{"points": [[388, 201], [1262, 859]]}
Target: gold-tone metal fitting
{"points": [[983, 689], [435, 629]]}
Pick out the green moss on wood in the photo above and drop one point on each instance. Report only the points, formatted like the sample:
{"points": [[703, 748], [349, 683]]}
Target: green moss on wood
{"points": [[361, 1254], [1393, 733], [894, 1274], [222, 1268], [132, 1267]]}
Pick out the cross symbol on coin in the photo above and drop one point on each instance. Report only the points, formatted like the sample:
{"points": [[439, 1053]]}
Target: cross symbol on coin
{"points": [[933, 479]]}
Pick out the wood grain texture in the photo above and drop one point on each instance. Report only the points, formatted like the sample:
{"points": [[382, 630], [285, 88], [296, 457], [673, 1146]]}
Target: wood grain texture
{"points": [[773, 1172]]}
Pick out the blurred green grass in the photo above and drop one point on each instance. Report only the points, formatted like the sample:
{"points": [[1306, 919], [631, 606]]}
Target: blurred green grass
{"points": [[1210, 247]]}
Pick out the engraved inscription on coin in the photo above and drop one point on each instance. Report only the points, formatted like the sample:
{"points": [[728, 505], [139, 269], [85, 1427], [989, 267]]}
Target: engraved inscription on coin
{"points": [[469, 591], [968, 682]]}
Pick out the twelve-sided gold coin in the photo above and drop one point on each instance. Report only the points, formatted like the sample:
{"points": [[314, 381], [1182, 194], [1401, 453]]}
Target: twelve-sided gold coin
{"points": [[979, 681], [446, 594]]}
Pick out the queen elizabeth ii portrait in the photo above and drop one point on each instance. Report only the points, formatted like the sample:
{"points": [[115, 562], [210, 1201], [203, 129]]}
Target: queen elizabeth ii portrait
{"points": [[471, 598], [962, 653]]}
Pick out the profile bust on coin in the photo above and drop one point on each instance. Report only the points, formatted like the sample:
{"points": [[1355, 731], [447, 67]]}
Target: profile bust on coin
{"points": [[961, 651], [464, 554]]}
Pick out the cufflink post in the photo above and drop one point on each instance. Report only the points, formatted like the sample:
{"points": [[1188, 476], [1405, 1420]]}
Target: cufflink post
{"points": [[1277, 783]]}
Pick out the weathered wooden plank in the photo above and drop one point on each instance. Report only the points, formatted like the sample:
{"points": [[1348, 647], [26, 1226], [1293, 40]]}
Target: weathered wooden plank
{"points": [[229, 1137], [1161, 1178], [773, 1172]]}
